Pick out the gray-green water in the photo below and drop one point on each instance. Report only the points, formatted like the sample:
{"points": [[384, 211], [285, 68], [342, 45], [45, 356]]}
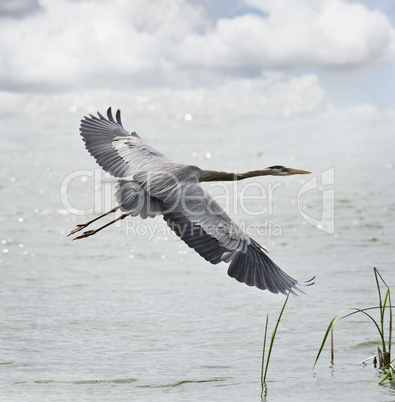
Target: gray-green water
{"points": [[142, 317]]}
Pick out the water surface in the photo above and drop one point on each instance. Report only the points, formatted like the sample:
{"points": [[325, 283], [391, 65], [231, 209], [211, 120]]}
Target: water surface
{"points": [[142, 317]]}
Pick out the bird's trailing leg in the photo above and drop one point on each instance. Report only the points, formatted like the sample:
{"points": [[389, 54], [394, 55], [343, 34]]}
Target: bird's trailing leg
{"points": [[84, 225], [92, 232]]}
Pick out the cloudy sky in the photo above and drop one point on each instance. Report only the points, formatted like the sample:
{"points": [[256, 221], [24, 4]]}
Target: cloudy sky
{"points": [[324, 52]]}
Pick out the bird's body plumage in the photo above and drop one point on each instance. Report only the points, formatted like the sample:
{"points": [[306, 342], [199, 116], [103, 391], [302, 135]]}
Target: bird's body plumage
{"points": [[151, 184]]}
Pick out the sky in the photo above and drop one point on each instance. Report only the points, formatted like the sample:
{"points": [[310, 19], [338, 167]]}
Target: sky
{"points": [[295, 56]]}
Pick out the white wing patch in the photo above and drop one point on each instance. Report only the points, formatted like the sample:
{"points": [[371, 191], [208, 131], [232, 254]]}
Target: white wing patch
{"points": [[117, 151]]}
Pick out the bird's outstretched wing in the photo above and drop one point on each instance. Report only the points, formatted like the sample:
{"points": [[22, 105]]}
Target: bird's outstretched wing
{"points": [[204, 226], [117, 151], [249, 264]]}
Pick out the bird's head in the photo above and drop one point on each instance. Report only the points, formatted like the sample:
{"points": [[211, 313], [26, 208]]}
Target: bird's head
{"points": [[279, 170]]}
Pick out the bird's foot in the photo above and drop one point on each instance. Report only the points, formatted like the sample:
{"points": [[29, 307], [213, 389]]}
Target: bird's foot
{"points": [[85, 234], [77, 229]]}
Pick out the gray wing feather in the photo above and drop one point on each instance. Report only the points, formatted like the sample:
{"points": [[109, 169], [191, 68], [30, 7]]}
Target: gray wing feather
{"points": [[255, 268], [117, 151]]}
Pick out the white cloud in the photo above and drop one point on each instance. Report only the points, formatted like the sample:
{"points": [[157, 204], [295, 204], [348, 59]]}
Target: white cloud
{"points": [[84, 43], [70, 45], [326, 33]]}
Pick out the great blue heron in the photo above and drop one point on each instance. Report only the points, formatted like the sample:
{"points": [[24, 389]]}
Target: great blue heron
{"points": [[155, 185]]}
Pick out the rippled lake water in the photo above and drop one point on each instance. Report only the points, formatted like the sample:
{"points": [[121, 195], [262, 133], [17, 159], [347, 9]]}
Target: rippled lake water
{"points": [[137, 315]]}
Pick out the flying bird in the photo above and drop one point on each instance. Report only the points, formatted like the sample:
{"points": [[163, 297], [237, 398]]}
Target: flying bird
{"points": [[150, 184]]}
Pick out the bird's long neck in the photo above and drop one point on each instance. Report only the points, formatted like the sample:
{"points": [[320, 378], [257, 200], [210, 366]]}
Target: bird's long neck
{"points": [[213, 175]]}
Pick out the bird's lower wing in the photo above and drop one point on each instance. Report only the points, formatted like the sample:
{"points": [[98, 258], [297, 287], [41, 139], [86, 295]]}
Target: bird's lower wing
{"points": [[250, 266]]}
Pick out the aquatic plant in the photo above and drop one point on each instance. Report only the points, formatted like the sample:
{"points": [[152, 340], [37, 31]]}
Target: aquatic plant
{"points": [[265, 364], [383, 355]]}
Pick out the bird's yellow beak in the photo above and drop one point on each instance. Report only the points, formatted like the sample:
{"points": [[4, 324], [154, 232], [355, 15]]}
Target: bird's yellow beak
{"points": [[297, 171]]}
